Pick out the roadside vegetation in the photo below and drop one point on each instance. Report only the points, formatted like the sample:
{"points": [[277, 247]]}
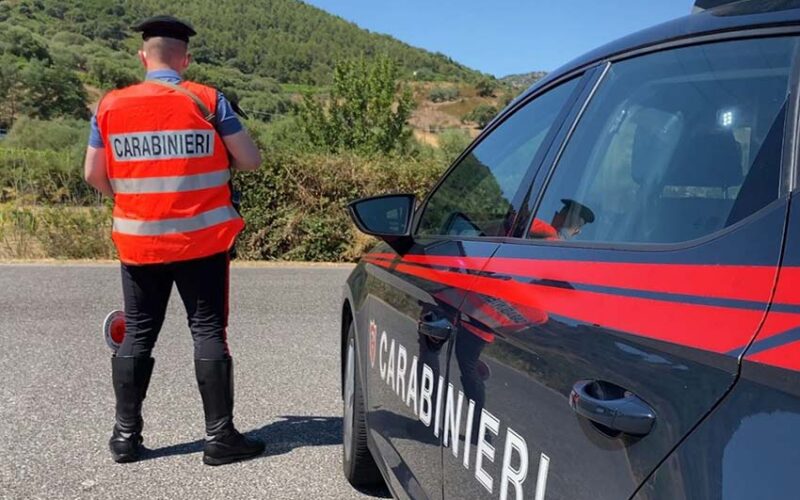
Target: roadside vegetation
{"points": [[339, 113]]}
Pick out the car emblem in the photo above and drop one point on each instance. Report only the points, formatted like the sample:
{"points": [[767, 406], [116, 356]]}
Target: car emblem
{"points": [[373, 342]]}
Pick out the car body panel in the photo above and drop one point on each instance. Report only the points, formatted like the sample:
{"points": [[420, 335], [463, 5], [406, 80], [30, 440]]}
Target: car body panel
{"points": [[399, 298], [666, 325], [748, 447]]}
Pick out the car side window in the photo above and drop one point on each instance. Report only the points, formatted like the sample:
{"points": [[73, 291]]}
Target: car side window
{"points": [[475, 199], [674, 146]]}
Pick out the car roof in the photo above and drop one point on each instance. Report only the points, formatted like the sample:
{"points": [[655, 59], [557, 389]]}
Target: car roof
{"points": [[730, 17]]}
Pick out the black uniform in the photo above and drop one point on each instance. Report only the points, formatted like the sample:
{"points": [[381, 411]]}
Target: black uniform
{"points": [[203, 287]]}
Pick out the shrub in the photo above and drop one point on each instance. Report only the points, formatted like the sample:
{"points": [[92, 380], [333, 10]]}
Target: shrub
{"points": [[75, 233], [506, 98], [295, 204], [452, 142], [48, 135], [443, 94], [285, 133], [18, 233], [264, 107], [486, 87], [55, 232], [481, 115], [43, 177], [67, 56], [424, 75], [70, 38]]}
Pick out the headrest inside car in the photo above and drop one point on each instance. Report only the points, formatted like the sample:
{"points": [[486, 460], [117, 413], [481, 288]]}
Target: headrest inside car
{"points": [[657, 134], [708, 158]]}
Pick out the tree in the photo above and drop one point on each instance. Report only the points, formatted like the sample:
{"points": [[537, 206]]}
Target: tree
{"points": [[486, 87], [53, 92], [506, 98], [11, 89], [110, 74], [367, 110], [22, 43]]}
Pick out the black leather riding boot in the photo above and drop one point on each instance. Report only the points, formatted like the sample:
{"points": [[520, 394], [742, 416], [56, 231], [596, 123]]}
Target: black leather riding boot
{"points": [[130, 376], [224, 444]]}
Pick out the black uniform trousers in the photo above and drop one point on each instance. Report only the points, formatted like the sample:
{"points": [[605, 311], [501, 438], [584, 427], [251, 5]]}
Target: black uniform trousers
{"points": [[203, 287]]}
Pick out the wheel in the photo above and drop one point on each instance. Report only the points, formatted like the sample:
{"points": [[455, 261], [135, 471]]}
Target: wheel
{"points": [[359, 466]]}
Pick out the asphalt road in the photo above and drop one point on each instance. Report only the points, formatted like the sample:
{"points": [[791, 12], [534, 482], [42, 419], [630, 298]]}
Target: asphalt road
{"points": [[56, 400]]}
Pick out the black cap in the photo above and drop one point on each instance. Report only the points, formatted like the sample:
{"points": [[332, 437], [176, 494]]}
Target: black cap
{"points": [[166, 26], [584, 212]]}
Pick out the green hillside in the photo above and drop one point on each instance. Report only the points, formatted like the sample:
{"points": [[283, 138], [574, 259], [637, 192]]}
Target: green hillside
{"points": [[259, 52], [287, 40]]}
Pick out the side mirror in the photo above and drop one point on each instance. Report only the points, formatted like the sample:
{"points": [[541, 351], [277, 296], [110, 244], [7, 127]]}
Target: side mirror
{"points": [[387, 217]]}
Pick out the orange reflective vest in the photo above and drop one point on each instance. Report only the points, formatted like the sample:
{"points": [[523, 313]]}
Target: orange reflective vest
{"points": [[542, 230], [169, 171]]}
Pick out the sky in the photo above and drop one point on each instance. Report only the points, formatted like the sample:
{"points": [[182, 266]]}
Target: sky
{"points": [[503, 37]]}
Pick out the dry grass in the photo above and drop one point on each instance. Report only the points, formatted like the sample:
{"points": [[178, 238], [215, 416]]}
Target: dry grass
{"points": [[16, 245], [429, 138], [33, 232]]}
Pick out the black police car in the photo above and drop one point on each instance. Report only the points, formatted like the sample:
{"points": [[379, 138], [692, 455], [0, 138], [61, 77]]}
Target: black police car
{"points": [[601, 297]]}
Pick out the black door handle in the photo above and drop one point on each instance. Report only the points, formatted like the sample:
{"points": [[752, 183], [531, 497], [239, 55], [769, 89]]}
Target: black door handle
{"points": [[437, 329], [612, 407]]}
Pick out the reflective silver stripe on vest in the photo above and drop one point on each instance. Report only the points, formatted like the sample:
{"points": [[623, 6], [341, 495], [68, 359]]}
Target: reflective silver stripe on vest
{"points": [[175, 184], [171, 226]]}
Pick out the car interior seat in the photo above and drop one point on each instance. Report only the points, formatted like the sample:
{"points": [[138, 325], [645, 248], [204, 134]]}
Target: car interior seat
{"points": [[657, 135], [694, 197]]}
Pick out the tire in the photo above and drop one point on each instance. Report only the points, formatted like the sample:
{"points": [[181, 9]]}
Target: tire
{"points": [[359, 466]]}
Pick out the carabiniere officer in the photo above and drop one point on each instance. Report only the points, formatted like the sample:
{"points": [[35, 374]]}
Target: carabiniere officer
{"points": [[163, 150]]}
